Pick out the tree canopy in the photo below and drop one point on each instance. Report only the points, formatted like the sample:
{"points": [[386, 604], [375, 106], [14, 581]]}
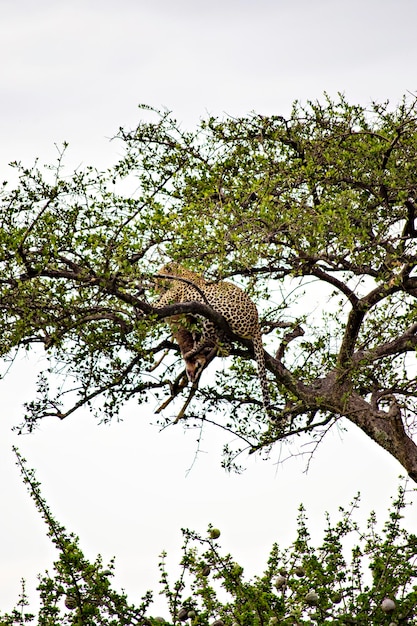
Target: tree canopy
{"points": [[355, 575], [313, 214]]}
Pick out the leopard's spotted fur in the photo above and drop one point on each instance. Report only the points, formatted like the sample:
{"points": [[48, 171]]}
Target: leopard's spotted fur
{"points": [[227, 299]]}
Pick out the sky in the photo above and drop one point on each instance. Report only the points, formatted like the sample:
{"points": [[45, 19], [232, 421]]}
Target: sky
{"points": [[76, 71]]}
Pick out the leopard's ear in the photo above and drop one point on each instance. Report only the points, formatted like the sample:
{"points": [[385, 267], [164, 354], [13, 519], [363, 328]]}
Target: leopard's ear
{"points": [[169, 269], [172, 268]]}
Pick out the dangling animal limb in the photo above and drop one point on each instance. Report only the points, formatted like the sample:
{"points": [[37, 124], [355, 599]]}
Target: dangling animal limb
{"points": [[176, 387]]}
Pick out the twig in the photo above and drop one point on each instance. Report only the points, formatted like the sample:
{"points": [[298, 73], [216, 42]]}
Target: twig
{"points": [[297, 332]]}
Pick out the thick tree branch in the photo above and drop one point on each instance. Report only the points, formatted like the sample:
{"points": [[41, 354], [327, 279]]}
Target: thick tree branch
{"points": [[332, 280], [355, 319], [410, 224], [405, 343], [386, 429], [332, 394]]}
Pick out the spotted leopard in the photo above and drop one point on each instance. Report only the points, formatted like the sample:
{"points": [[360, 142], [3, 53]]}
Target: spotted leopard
{"points": [[227, 299]]}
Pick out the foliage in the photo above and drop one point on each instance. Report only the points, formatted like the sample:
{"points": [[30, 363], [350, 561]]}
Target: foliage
{"points": [[78, 592], [354, 576], [314, 215]]}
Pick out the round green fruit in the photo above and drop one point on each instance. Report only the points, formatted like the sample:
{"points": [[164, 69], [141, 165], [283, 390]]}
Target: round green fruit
{"points": [[388, 605], [214, 533], [279, 582], [70, 602], [312, 598], [299, 571], [237, 570], [182, 614]]}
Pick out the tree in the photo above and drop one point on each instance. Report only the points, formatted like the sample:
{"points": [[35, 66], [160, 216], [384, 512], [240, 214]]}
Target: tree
{"points": [[301, 585], [314, 215]]}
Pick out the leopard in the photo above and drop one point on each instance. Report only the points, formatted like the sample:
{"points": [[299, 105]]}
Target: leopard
{"points": [[179, 284]]}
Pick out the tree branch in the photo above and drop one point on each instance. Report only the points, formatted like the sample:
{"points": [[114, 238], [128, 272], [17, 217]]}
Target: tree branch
{"points": [[405, 343], [332, 280], [355, 319]]}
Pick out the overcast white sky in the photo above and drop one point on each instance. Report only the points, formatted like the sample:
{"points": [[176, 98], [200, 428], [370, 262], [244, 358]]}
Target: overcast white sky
{"points": [[75, 71]]}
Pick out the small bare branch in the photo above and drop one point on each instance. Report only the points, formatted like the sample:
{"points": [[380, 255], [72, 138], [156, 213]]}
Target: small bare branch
{"points": [[297, 332]]}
